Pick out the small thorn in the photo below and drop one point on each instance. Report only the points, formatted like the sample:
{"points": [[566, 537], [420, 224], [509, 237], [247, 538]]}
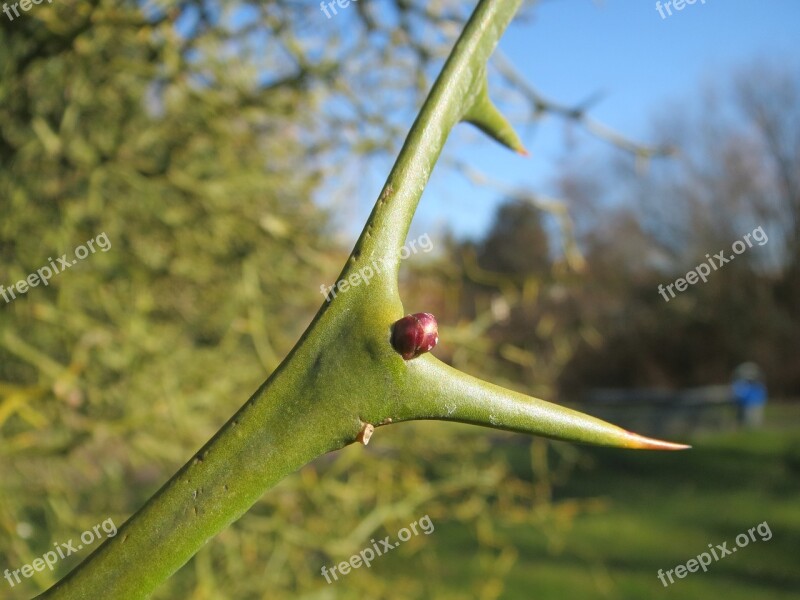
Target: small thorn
{"points": [[523, 152], [484, 115], [366, 433], [646, 443]]}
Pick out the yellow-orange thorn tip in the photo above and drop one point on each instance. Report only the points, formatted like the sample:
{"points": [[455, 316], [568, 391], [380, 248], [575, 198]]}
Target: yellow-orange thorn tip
{"points": [[645, 443]]}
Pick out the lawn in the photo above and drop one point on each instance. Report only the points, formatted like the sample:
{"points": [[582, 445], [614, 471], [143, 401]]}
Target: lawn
{"points": [[653, 511]]}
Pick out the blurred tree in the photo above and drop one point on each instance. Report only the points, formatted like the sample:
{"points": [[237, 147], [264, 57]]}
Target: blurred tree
{"points": [[737, 170], [517, 243], [111, 122], [508, 294]]}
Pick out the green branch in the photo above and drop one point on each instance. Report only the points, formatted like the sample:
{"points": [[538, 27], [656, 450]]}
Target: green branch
{"points": [[343, 377]]}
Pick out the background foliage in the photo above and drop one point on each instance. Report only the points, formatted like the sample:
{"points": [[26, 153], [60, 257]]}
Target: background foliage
{"points": [[195, 135]]}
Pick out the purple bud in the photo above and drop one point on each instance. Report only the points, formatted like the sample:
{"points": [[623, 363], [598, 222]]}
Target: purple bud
{"points": [[415, 334]]}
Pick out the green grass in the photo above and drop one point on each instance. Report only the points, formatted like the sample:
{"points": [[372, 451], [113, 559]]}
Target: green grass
{"points": [[662, 510]]}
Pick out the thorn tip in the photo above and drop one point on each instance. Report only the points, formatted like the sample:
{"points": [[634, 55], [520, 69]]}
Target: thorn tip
{"points": [[646, 443]]}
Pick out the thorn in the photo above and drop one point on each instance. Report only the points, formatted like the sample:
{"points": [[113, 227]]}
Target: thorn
{"points": [[366, 433], [486, 117], [645, 443]]}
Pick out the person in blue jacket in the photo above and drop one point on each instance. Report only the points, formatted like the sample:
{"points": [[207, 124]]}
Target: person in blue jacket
{"points": [[750, 395]]}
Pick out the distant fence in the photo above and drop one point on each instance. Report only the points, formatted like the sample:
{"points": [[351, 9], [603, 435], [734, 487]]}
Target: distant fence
{"points": [[665, 412]]}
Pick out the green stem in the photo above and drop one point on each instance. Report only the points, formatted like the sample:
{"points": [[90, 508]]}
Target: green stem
{"points": [[456, 91], [252, 452]]}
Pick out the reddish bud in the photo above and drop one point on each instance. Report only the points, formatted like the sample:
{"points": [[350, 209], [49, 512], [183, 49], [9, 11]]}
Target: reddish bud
{"points": [[415, 334]]}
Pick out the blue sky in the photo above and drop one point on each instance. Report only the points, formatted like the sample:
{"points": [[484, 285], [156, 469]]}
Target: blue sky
{"points": [[623, 49]]}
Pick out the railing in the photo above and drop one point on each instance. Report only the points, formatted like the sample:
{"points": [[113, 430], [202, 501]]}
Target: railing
{"points": [[662, 412]]}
